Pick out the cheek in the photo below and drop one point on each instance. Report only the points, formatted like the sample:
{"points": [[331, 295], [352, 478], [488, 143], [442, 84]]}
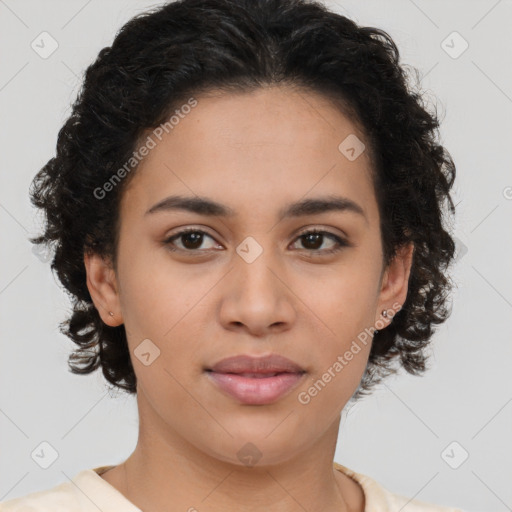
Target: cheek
{"points": [[346, 299], [336, 378], [163, 315], [346, 306], [341, 361], [154, 295]]}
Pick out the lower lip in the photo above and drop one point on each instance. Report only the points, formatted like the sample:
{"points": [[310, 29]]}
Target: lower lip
{"points": [[256, 391]]}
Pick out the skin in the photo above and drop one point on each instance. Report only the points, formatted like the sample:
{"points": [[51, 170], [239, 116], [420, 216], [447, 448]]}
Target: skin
{"points": [[254, 152]]}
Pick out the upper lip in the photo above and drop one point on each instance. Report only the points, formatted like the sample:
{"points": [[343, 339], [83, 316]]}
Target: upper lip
{"points": [[273, 363]]}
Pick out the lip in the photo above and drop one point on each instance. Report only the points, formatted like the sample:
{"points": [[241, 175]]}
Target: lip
{"points": [[256, 380], [273, 363]]}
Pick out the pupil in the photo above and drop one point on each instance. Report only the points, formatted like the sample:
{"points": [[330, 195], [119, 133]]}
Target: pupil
{"points": [[313, 240], [317, 237], [197, 237]]}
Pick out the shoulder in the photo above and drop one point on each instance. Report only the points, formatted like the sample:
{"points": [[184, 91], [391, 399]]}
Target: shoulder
{"points": [[61, 498], [86, 491], [397, 500], [379, 499]]}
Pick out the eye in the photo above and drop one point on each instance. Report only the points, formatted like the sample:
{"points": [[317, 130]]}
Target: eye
{"points": [[314, 239], [192, 239]]}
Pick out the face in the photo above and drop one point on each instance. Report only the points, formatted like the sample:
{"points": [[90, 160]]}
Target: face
{"points": [[250, 281]]}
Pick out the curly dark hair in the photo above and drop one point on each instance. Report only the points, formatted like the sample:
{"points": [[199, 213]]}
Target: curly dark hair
{"points": [[188, 47]]}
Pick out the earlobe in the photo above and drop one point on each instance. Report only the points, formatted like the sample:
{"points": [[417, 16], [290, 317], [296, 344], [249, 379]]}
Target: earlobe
{"points": [[395, 284], [102, 286]]}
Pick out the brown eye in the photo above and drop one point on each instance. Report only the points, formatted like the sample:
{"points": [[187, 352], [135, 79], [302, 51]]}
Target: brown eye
{"points": [[191, 240], [313, 240]]}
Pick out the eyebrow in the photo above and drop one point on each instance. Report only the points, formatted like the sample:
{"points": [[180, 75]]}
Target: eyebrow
{"points": [[210, 208]]}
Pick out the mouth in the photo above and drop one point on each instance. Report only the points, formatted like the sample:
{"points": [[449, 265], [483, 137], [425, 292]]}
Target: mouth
{"points": [[256, 389], [254, 375], [256, 381]]}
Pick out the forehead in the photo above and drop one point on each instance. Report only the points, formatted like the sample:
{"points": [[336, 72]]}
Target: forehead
{"points": [[273, 145]]}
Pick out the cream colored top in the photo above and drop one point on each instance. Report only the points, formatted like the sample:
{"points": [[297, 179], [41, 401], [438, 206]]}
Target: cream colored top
{"points": [[88, 492]]}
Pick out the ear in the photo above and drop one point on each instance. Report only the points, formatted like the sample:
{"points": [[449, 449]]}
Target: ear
{"points": [[394, 284], [102, 285]]}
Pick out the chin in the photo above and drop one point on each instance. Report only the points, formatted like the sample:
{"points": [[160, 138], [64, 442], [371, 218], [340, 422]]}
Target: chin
{"points": [[258, 443]]}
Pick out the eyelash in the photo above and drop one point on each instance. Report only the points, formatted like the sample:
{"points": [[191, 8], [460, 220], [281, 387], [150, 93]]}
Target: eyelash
{"points": [[341, 244]]}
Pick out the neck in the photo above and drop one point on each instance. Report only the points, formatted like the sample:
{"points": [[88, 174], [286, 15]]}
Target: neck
{"points": [[166, 469]]}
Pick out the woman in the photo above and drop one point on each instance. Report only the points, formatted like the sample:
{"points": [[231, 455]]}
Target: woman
{"points": [[246, 205]]}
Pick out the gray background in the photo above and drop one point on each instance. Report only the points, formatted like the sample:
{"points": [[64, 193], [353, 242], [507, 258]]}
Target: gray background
{"points": [[400, 434]]}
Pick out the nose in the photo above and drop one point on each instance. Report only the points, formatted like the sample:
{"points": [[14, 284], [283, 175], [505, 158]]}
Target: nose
{"points": [[256, 297]]}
